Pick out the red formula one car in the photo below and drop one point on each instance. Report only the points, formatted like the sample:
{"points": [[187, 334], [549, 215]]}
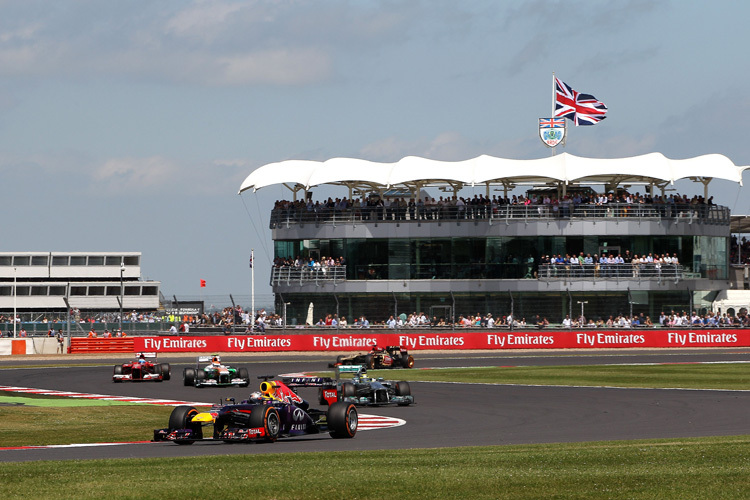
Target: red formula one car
{"points": [[144, 367]]}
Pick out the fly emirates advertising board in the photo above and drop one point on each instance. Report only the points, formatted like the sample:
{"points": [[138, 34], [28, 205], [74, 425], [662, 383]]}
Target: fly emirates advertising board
{"points": [[463, 339]]}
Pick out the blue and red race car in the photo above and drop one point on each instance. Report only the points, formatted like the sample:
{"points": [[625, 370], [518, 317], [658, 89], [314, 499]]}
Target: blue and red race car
{"points": [[274, 412]]}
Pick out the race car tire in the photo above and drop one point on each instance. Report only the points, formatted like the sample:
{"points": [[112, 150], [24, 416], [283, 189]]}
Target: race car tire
{"points": [[245, 376], [407, 361], [343, 420], [180, 419], [348, 390], [200, 376], [403, 389], [166, 371], [370, 362], [118, 370], [267, 418], [188, 376], [157, 372]]}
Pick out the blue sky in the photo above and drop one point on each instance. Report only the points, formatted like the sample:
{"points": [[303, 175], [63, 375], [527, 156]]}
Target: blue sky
{"points": [[130, 125]]}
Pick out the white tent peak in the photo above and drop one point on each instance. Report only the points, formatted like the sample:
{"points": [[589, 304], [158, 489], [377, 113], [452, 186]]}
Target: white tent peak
{"points": [[415, 172]]}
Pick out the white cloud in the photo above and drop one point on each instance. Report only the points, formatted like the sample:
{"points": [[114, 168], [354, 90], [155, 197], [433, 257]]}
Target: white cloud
{"points": [[204, 19], [136, 173]]}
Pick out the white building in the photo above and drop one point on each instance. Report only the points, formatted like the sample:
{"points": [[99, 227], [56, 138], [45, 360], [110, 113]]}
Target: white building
{"points": [[42, 281]]}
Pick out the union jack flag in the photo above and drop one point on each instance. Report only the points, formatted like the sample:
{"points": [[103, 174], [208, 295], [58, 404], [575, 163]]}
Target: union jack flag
{"points": [[583, 109], [551, 122]]}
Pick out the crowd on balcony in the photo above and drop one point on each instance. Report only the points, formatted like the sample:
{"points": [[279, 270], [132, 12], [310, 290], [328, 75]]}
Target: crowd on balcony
{"points": [[310, 262], [482, 207], [739, 252], [609, 265]]}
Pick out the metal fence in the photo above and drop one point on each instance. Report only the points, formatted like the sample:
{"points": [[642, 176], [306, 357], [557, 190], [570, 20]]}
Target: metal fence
{"points": [[687, 213], [290, 275], [596, 272]]}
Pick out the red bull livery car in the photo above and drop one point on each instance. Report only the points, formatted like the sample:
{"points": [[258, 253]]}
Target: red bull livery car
{"points": [[275, 412], [143, 368]]}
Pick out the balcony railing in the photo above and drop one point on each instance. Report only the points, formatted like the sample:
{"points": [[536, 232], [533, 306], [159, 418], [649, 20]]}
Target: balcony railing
{"points": [[291, 275], [615, 272], [684, 213]]}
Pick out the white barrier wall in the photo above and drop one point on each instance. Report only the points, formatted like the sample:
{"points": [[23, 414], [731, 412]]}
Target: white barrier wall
{"points": [[44, 345]]}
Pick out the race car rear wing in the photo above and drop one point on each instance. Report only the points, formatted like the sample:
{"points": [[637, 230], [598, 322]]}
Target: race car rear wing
{"points": [[146, 354], [352, 370], [294, 382]]}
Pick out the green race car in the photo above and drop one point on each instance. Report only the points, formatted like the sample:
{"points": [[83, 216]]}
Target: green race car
{"points": [[214, 373]]}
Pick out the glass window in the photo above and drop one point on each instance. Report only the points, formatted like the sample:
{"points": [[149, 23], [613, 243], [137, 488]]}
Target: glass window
{"points": [[39, 291], [150, 290], [77, 290], [22, 290], [60, 260], [96, 290], [96, 260], [39, 260], [132, 290], [6, 260], [132, 260], [57, 291], [113, 291], [112, 260], [6, 290], [77, 260], [21, 260]]}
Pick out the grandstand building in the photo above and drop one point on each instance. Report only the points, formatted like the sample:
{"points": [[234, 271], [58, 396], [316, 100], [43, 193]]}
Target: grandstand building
{"points": [[472, 248], [89, 281]]}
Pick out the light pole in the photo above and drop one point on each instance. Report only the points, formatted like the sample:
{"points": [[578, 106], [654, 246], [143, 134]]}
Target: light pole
{"points": [[15, 295], [581, 318], [122, 289]]}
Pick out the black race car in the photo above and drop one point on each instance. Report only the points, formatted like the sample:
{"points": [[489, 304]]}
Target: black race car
{"points": [[367, 391], [360, 389], [390, 357], [274, 412]]}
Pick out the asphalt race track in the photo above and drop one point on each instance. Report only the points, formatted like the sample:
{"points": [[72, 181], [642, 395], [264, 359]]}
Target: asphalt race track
{"points": [[446, 414]]}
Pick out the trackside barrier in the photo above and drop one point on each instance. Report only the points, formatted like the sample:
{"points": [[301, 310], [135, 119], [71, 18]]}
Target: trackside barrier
{"points": [[31, 345], [501, 339], [87, 345]]}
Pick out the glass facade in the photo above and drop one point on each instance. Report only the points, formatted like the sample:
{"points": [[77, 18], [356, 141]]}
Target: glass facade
{"points": [[497, 257]]}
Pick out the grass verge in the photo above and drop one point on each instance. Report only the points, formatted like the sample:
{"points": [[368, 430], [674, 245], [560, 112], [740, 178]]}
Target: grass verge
{"points": [[46, 425], [729, 376], [654, 469]]}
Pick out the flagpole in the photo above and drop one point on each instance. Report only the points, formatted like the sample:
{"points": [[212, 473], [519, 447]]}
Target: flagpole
{"points": [[553, 108], [252, 290]]}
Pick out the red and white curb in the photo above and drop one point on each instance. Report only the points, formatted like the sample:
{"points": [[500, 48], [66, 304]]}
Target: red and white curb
{"points": [[372, 422], [366, 422]]}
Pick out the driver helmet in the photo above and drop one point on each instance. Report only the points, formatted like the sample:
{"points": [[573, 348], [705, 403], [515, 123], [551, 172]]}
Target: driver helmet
{"points": [[256, 396]]}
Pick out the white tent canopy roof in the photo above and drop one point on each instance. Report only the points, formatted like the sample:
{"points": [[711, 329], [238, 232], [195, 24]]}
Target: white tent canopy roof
{"points": [[412, 171]]}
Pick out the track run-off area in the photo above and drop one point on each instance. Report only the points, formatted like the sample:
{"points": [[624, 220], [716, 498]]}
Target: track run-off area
{"points": [[445, 414]]}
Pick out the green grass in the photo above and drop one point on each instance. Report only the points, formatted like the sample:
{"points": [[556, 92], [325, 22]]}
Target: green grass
{"points": [[45, 425], [715, 468], [731, 376]]}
